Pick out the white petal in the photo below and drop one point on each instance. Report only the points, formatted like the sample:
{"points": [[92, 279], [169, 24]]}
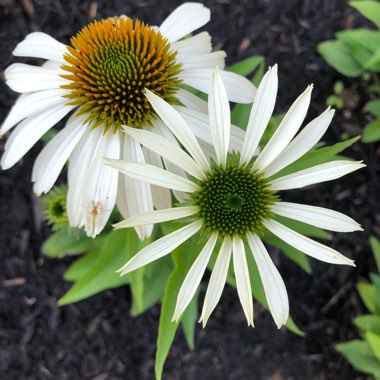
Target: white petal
{"points": [[316, 216], [157, 216], [319, 173], [302, 143], [286, 130], [191, 101], [26, 78], [204, 61], [243, 282], [161, 247], [193, 277], [239, 89], [184, 20], [194, 45], [217, 280], [261, 113], [100, 185], [29, 132], [174, 121], [139, 193], [53, 157], [121, 197], [41, 45], [152, 175], [220, 118], [166, 149], [274, 287], [30, 104], [307, 245]]}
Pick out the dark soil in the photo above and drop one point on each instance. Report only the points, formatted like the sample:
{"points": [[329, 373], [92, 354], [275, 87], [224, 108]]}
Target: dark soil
{"points": [[96, 338]]}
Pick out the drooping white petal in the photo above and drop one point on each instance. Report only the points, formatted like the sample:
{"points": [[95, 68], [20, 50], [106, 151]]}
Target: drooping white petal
{"points": [[307, 245], [121, 197], [139, 193], [239, 89], [316, 216], [166, 149], [29, 104], [162, 197], [161, 247], [220, 118], [191, 101], [217, 281], [184, 20], [29, 132], [243, 282], [274, 287], [53, 157], [302, 143], [261, 113], [157, 216], [286, 130], [174, 121], [153, 175], [320, 173], [194, 45], [41, 45], [27, 78], [193, 277], [100, 185], [204, 61]]}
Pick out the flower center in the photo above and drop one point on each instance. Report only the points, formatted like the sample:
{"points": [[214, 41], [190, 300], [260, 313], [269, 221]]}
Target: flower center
{"points": [[111, 63], [234, 200]]}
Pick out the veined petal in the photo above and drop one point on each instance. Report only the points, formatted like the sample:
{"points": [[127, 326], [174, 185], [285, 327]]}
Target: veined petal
{"points": [[239, 89], [30, 104], [157, 216], [53, 157], [41, 45], [307, 245], [166, 149], [286, 130], [204, 61], [302, 143], [174, 121], [194, 277], [184, 20], [139, 193], [316, 216], [194, 45], [152, 175], [220, 118], [29, 132], [243, 282], [161, 247], [261, 113], [217, 281], [319, 173], [27, 78], [191, 101], [274, 287]]}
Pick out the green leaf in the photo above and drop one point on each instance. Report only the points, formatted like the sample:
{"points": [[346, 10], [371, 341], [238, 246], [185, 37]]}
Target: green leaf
{"points": [[367, 294], [375, 279], [375, 245], [374, 342], [369, 9], [371, 131], [189, 320], [366, 38], [373, 64], [360, 356], [317, 157], [96, 271], [368, 323], [339, 56], [247, 66], [373, 107], [66, 241]]}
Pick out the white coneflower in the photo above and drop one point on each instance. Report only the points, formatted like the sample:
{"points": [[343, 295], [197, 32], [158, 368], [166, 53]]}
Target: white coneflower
{"points": [[103, 77], [234, 198]]}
